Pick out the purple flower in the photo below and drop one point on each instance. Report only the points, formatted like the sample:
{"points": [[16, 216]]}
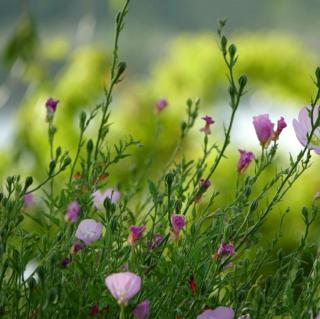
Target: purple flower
{"points": [[161, 105], [281, 124], [123, 286], [65, 262], [303, 128], [73, 211], [264, 129], [135, 233], [155, 241], [244, 161], [51, 106], [208, 121], [204, 184], [77, 246], [27, 199], [141, 311], [177, 222], [89, 231], [100, 196], [217, 313], [225, 249]]}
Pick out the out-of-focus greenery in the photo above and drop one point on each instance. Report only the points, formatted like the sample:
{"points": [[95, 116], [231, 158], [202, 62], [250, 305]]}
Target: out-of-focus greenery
{"points": [[192, 67]]}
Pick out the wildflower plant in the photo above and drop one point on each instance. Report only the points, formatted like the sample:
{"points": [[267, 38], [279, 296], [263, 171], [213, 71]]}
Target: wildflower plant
{"points": [[86, 249]]}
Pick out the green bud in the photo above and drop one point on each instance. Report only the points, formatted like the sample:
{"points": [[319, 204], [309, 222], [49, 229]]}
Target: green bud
{"points": [[83, 117], [121, 68], [224, 42], [178, 206], [253, 206], [52, 166], [89, 146], [28, 182], [183, 126], [318, 74], [58, 152], [189, 103], [66, 162], [243, 82], [41, 272], [169, 179], [232, 50]]}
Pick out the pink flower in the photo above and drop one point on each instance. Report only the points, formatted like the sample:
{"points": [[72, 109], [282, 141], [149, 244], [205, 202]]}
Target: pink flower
{"points": [[100, 196], [204, 185], [264, 129], [225, 249], [161, 105], [177, 222], [123, 286], [73, 211], [27, 199], [141, 311], [94, 310], [281, 124], [89, 231], [135, 233], [77, 246], [303, 128], [208, 121], [218, 313], [244, 161]]}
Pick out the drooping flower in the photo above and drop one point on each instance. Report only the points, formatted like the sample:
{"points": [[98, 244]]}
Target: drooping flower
{"points": [[161, 105], [123, 286], [244, 160], [51, 106], [27, 199], [208, 121], [141, 311], [281, 124], [89, 231], [217, 313], [155, 241], [303, 128], [100, 196], [135, 232], [264, 129], [73, 211]]}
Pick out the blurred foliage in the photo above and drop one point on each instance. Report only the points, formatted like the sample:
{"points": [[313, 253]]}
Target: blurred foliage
{"points": [[192, 67]]}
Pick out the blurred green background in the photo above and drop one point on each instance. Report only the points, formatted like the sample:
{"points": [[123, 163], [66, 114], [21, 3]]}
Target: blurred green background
{"points": [[63, 49]]}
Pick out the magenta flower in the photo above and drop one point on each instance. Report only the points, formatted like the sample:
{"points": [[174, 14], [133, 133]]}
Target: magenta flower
{"points": [[208, 121], [89, 231], [225, 249], [73, 211], [141, 311], [204, 184], [123, 286], [244, 161], [281, 124], [264, 129], [27, 199], [100, 196], [65, 262], [76, 246], [161, 105], [218, 313], [51, 106], [303, 128], [134, 234], [177, 222]]}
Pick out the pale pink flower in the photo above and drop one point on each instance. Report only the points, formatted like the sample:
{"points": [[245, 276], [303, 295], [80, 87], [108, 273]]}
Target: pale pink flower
{"points": [[123, 286], [208, 121], [135, 232], [100, 196], [73, 211], [264, 129], [244, 161], [217, 313], [141, 311], [89, 231], [303, 128]]}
